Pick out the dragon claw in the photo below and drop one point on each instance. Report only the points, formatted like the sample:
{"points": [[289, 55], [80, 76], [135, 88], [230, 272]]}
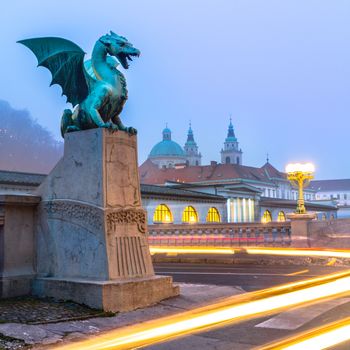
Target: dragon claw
{"points": [[131, 130], [110, 126]]}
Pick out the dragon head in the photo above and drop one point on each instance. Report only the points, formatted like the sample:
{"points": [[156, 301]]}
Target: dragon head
{"points": [[119, 47]]}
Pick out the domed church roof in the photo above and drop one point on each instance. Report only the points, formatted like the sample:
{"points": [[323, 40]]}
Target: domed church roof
{"points": [[167, 147]]}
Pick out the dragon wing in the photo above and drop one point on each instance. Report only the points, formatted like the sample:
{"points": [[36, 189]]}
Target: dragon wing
{"points": [[65, 61]]}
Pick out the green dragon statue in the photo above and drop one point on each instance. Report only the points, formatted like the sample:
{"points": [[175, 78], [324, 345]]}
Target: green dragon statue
{"points": [[96, 88]]}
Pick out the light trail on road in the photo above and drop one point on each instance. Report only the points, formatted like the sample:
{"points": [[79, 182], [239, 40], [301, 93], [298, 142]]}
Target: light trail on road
{"points": [[335, 253], [227, 311], [315, 339], [192, 250]]}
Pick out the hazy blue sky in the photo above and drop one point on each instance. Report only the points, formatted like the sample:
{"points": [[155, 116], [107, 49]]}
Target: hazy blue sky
{"points": [[281, 68]]}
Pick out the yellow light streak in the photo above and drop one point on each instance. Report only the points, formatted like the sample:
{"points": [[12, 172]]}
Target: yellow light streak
{"points": [[191, 250], [299, 252], [297, 273], [336, 253], [234, 309], [315, 339]]}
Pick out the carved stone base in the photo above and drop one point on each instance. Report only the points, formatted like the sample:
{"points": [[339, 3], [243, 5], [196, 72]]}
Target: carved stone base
{"points": [[109, 295], [91, 226]]}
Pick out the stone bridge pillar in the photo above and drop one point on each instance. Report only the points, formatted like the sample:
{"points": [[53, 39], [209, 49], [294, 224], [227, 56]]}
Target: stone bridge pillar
{"points": [[300, 229], [92, 244]]}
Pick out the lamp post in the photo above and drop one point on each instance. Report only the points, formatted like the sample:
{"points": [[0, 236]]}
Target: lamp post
{"points": [[300, 175]]}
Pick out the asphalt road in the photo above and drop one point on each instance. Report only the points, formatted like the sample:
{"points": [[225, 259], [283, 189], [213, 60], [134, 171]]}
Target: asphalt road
{"points": [[248, 277], [250, 334]]}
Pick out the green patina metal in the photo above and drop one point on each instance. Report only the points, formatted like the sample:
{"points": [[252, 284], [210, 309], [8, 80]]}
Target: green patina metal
{"points": [[96, 88]]}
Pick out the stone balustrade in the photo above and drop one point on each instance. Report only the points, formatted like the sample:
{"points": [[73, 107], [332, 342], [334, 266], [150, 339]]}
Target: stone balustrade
{"points": [[221, 234]]}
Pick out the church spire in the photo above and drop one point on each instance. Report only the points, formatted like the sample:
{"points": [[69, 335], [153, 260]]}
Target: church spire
{"points": [[190, 137], [231, 153], [191, 149], [230, 133]]}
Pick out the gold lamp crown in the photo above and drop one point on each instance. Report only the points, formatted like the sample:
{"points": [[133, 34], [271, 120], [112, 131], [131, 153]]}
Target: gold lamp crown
{"points": [[300, 174]]}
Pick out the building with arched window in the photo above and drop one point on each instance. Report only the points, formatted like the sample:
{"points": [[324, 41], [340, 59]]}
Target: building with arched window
{"points": [[189, 215], [172, 177], [213, 215], [266, 217], [281, 216], [157, 200], [249, 191], [162, 214]]}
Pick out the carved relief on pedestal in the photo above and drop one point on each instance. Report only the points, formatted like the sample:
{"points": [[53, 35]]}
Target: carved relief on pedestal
{"points": [[77, 212], [129, 251], [127, 216], [122, 174]]}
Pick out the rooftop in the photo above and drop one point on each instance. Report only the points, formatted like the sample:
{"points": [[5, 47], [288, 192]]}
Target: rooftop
{"points": [[276, 202], [331, 185], [151, 174], [176, 192]]}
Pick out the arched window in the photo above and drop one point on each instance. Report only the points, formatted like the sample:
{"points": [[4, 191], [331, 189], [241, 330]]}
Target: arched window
{"points": [[162, 214], [324, 216], [237, 160], [332, 216], [189, 215], [281, 216], [266, 217], [227, 160], [213, 215], [197, 163]]}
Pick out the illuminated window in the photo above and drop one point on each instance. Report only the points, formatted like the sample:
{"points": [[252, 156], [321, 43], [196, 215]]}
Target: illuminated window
{"points": [[162, 214], [281, 217], [324, 217], [213, 215], [266, 217], [189, 215]]}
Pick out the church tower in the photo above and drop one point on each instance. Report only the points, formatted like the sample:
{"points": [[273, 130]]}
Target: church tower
{"points": [[193, 157], [231, 154]]}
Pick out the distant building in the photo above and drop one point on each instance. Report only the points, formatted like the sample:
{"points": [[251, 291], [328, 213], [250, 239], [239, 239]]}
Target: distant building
{"points": [[193, 156], [252, 194], [231, 153], [164, 204], [334, 190], [167, 153], [176, 188]]}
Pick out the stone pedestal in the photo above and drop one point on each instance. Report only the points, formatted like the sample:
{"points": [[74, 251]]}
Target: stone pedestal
{"points": [[300, 229], [91, 228]]}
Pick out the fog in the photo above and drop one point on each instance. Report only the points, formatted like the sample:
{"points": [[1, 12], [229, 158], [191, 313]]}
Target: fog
{"points": [[25, 145]]}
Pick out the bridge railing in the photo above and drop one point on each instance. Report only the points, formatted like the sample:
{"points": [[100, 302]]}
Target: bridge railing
{"points": [[221, 234]]}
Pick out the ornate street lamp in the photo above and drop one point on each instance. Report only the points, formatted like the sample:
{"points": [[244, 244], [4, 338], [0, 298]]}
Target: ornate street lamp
{"points": [[300, 175]]}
